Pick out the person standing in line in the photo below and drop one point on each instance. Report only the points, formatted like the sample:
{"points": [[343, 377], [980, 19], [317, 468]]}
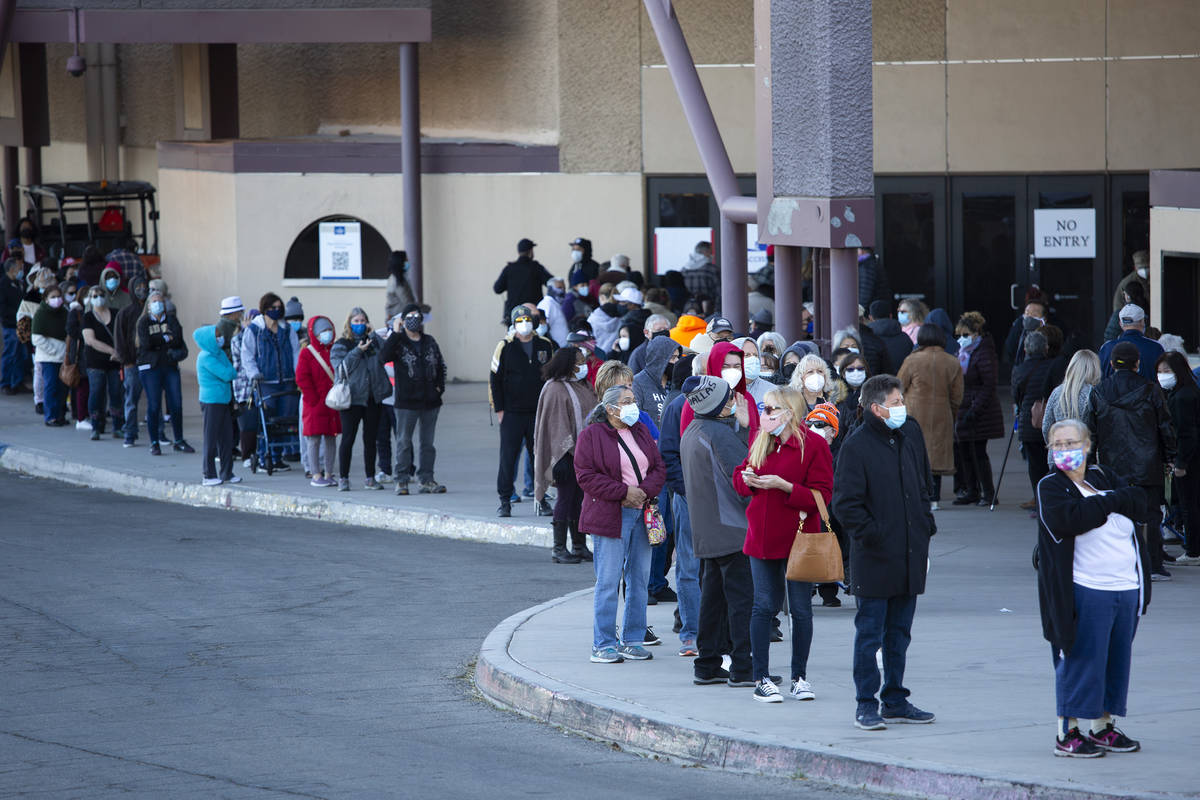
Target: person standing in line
{"points": [[516, 384], [979, 416], [1133, 331], [1135, 438], [565, 400], [881, 497], [1070, 399], [1183, 400], [709, 453], [687, 565], [911, 315], [49, 332], [12, 363], [160, 348], [215, 374], [521, 281], [1092, 589], [321, 424], [270, 352], [125, 345], [104, 370], [358, 354], [788, 476], [399, 291], [932, 382]]}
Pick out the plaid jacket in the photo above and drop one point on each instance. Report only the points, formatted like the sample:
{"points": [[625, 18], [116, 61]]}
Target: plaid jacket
{"points": [[241, 384]]}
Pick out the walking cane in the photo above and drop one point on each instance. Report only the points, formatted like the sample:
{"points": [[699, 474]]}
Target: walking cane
{"points": [[1000, 478]]}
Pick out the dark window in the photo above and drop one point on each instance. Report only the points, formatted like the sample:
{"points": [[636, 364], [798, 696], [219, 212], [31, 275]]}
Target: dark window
{"points": [[908, 245], [302, 258]]}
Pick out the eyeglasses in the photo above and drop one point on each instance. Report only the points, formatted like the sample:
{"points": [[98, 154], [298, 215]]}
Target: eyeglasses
{"points": [[1068, 445], [819, 424]]}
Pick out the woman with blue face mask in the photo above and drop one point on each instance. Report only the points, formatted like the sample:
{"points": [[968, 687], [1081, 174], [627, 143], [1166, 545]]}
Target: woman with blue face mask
{"points": [[619, 468], [563, 403], [270, 350], [787, 469], [160, 348], [979, 417], [357, 354]]}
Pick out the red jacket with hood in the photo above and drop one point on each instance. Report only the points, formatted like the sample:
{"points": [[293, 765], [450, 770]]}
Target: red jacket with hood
{"points": [[318, 419], [716, 360]]}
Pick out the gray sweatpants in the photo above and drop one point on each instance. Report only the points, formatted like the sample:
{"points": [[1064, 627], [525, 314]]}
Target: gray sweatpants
{"points": [[317, 447]]}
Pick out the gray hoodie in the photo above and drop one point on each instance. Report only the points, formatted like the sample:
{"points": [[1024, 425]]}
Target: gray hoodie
{"points": [[710, 451], [652, 397]]}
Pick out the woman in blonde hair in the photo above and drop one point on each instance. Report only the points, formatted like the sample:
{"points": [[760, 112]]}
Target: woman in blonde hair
{"points": [[1070, 399], [911, 315], [787, 469]]}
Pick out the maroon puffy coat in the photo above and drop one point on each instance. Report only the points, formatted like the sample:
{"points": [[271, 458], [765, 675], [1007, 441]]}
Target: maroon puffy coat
{"points": [[314, 383], [598, 459]]}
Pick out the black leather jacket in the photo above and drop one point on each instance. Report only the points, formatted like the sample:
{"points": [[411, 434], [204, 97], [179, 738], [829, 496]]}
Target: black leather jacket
{"points": [[1134, 434]]}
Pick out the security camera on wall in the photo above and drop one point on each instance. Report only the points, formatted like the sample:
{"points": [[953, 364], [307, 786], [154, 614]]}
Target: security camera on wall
{"points": [[76, 65]]}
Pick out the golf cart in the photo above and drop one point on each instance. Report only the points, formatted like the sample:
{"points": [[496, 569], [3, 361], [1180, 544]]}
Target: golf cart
{"points": [[70, 216]]}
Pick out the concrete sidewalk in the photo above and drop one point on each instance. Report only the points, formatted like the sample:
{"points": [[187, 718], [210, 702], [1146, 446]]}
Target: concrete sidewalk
{"points": [[467, 444], [977, 660]]}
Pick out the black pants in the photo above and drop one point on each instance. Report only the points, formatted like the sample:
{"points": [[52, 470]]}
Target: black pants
{"points": [[977, 469], [1035, 454], [569, 501], [1153, 522], [1187, 490], [383, 440], [726, 599], [516, 430], [218, 439], [368, 415]]}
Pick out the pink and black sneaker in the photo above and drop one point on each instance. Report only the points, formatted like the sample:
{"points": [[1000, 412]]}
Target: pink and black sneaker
{"points": [[1112, 740], [1074, 745]]}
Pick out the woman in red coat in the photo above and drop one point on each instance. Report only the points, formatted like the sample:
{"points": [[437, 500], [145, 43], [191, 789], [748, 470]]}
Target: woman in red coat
{"points": [[320, 423], [786, 465]]}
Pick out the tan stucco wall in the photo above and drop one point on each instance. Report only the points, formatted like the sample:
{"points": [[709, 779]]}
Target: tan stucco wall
{"points": [[667, 143], [717, 31], [472, 223], [1171, 229]]}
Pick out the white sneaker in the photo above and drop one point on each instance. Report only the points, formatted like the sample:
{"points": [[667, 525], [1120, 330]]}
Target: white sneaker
{"points": [[933, 506], [234, 479], [802, 690], [246, 464], [767, 692], [1187, 561], [383, 478], [212, 482], [83, 425]]}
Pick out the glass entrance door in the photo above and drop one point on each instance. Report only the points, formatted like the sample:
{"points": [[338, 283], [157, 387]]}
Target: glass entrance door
{"points": [[910, 237]]}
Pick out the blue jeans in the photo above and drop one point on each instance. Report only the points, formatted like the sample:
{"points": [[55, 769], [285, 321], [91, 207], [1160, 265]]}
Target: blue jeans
{"points": [[770, 585], [104, 395], [660, 552], [12, 362], [614, 559], [56, 393], [155, 382], [1094, 679], [882, 622], [687, 571], [133, 393]]}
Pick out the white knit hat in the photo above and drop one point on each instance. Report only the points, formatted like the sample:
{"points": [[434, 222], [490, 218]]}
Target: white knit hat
{"points": [[231, 305]]}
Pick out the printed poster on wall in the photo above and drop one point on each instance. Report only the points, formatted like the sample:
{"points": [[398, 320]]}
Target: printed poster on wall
{"points": [[673, 246], [339, 245], [756, 254]]}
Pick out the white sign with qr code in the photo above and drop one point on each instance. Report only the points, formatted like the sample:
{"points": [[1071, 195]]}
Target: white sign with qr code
{"points": [[340, 247]]}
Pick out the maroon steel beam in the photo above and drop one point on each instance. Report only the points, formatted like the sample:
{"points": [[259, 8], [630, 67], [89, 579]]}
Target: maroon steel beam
{"points": [[410, 158], [12, 201], [223, 25], [788, 292], [843, 289], [734, 303], [7, 10]]}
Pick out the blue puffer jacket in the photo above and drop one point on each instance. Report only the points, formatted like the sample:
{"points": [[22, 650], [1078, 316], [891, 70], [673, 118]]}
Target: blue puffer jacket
{"points": [[214, 370]]}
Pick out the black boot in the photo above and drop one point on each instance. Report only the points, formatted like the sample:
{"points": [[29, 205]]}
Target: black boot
{"points": [[579, 541], [561, 555], [987, 489]]}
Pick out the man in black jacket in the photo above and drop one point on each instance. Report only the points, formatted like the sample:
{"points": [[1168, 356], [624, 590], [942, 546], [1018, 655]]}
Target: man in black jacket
{"points": [[896, 343], [522, 279], [12, 292], [1135, 438], [516, 384], [882, 490], [420, 377]]}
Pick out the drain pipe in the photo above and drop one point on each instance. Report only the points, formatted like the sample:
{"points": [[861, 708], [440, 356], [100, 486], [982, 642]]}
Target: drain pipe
{"points": [[736, 210], [111, 112], [410, 166]]}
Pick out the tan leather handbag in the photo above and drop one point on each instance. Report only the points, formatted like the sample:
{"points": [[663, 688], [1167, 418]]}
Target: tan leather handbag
{"points": [[815, 557]]}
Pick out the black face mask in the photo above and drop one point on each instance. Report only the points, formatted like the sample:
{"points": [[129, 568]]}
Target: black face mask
{"points": [[27, 233], [657, 334], [788, 369], [413, 323]]}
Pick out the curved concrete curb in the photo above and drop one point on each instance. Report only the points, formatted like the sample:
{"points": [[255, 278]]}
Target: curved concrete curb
{"points": [[513, 685], [238, 498]]}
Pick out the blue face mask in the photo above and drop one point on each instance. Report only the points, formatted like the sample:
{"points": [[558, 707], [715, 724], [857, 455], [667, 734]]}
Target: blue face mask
{"points": [[296, 324], [112, 283], [359, 328], [809, 327], [896, 417], [903, 318], [156, 307]]}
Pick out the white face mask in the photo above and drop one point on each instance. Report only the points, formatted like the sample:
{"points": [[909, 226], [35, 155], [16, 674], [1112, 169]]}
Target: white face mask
{"points": [[623, 343], [855, 377], [814, 382], [1166, 380], [541, 329], [630, 413], [753, 368], [778, 423], [964, 341], [853, 350], [524, 328], [325, 337], [732, 375], [1143, 273], [581, 372], [576, 256]]}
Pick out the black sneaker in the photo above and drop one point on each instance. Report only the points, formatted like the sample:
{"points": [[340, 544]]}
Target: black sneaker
{"points": [[741, 681], [505, 509], [767, 692], [867, 718], [651, 600], [95, 434], [1113, 740], [1074, 745], [651, 638], [183, 447], [666, 595], [718, 676], [280, 465], [831, 602], [907, 713], [776, 631], [155, 450]]}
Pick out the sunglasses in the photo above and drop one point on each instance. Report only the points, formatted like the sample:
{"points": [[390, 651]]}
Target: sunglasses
{"points": [[819, 424]]}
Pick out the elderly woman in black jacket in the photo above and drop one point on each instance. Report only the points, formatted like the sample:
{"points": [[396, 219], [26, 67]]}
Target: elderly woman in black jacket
{"points": [[1093, 584]]}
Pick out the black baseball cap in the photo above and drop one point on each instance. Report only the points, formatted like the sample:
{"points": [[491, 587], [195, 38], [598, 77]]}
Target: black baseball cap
{"points": [[525, 244]]}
